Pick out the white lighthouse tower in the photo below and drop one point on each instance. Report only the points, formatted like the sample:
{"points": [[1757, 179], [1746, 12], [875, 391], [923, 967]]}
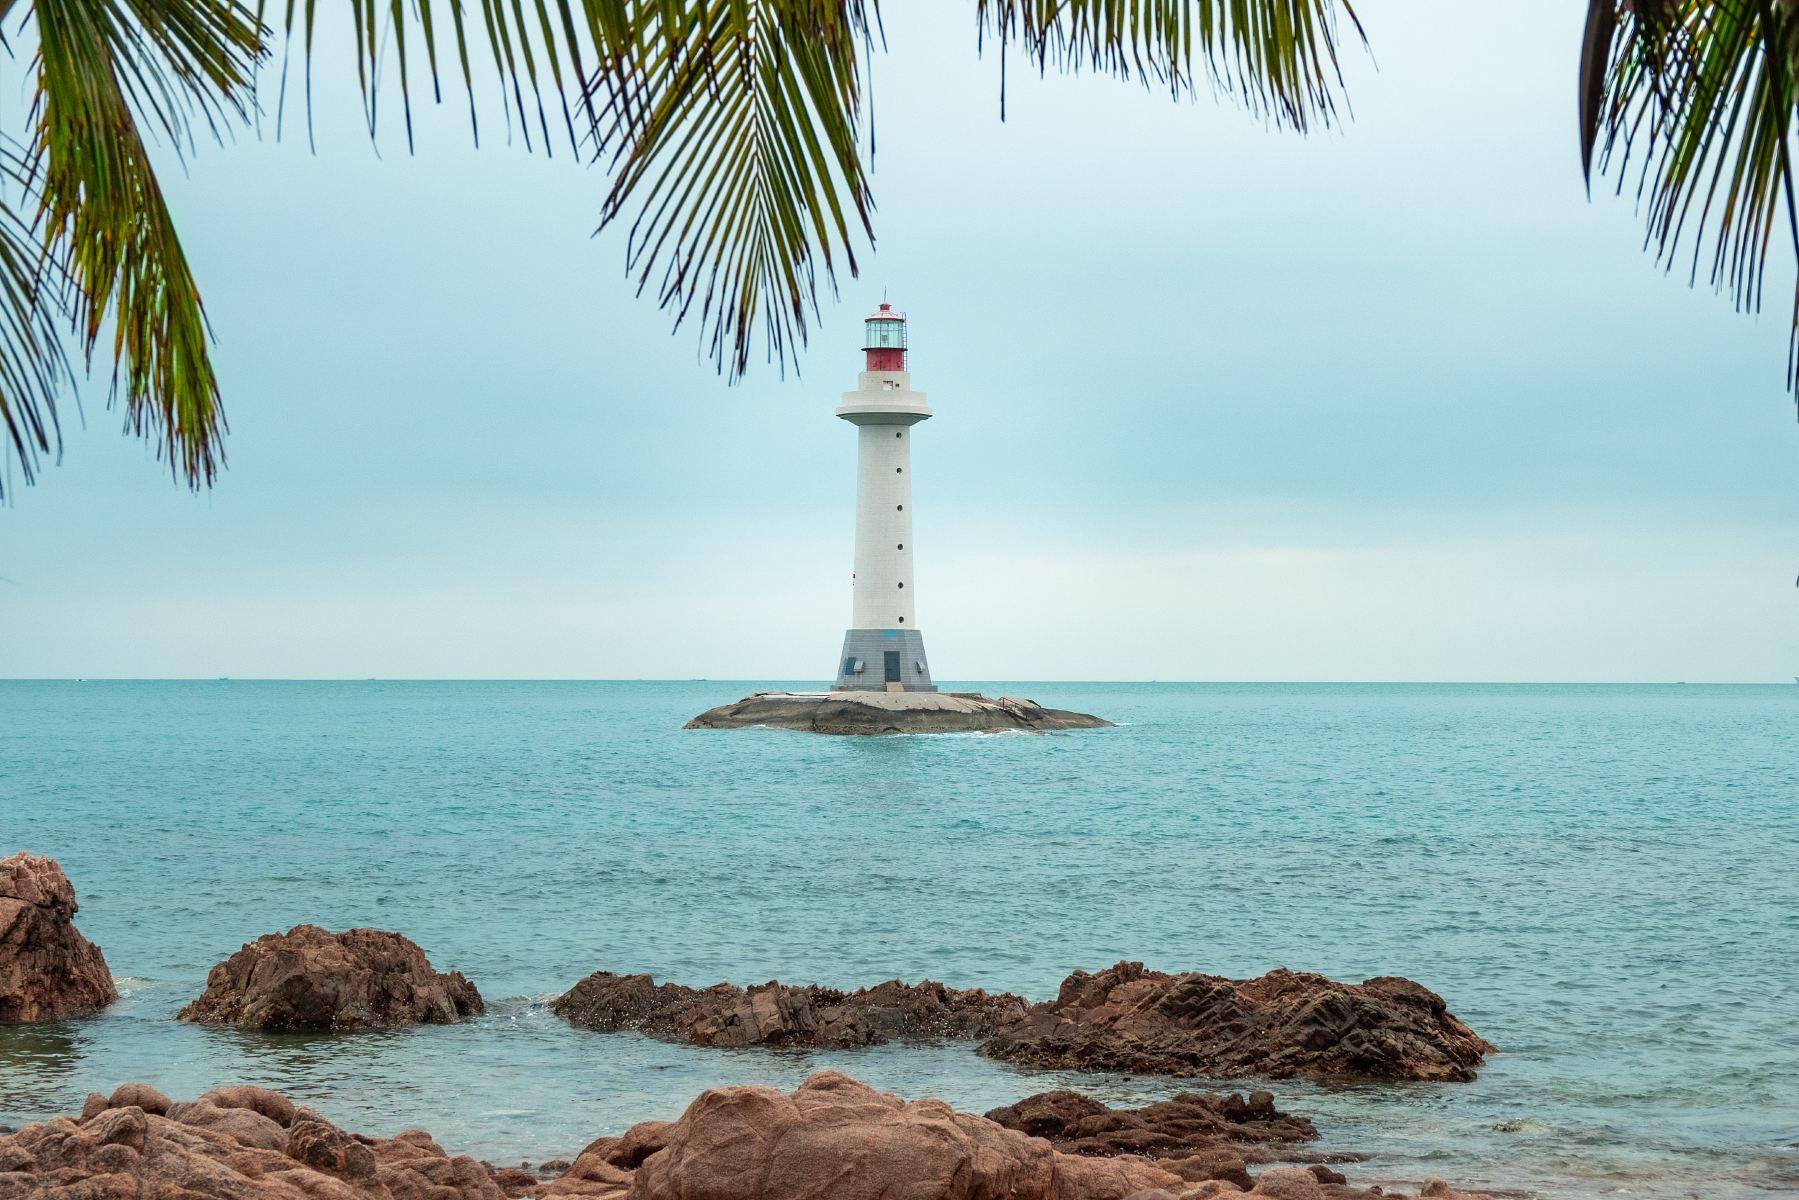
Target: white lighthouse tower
{"points": [[883, 682], [884, 649]]}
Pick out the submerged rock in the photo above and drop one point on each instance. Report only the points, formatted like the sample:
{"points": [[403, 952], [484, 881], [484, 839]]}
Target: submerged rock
{"points": [[1282, 1024], [313, 980], [1194, 1136], [47, 969], [831, 1139], [891, 712], [776, 1014]]}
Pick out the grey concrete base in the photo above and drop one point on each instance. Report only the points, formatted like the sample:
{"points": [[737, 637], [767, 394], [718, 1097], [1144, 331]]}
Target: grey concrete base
{"points": [[867, 712], [869, 649]]}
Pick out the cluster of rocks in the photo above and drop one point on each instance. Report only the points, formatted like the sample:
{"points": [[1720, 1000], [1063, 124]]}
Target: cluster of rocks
{"points": [[307, 979], [1280, 1025], [776, 1014], [831, 1139], [310, 979], [47, 969], [1195, 1136], [1124, 1019]]}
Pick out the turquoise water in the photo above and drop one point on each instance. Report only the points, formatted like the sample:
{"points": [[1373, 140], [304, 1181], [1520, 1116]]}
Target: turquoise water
{"points": [[1604, 881]]}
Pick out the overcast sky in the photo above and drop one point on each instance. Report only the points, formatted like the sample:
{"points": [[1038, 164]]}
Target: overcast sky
{"points": [[1213, 402]]}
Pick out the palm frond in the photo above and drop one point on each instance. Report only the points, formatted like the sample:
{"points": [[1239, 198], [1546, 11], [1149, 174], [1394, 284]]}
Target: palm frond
{"points": [[1701, 94], [33, 309], [733, 129], [1277, 57], [101, 63], [739, 152]]}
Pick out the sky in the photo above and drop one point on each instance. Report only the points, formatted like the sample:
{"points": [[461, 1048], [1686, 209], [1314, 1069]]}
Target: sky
{"points": [[1394, 401]]}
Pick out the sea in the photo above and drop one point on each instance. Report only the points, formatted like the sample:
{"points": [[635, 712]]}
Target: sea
{"points": [[1602, 880]]}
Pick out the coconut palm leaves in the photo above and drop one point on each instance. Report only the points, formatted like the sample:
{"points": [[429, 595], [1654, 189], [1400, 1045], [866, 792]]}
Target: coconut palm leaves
{"points": [[87, 244], [737, 152], [1701, 92], [1279, 57], [733, 133]]}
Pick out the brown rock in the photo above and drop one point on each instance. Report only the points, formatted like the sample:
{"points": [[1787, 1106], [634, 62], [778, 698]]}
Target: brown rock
{"points": [[1280, 1025], [47, 969], [1288, 1183], [836, 1139], [1197, 1137], [832, 1139], [326, 1148], [241, 1125], [227, 1145], [139, 1095], [776, 1014], [311, 979]]}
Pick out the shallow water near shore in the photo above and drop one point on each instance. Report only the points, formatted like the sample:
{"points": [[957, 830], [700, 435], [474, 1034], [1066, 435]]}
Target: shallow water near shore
{"points": [[1600, 880]]}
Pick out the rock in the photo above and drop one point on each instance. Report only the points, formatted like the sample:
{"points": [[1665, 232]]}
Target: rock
{"points": [[223, 1151], [891, 712], [1280, 1025], [1197, 1137], [324, 1147], [776, 1014], [832, 1139], [311, 979], [242, 1125], [1288, 1183], [139, 1095], [47, 969], [836, 1139]]}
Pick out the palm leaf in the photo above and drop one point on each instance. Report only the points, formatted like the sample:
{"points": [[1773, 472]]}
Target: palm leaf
{"points": [[33, 309], [732, 130], [739, 152], [101, 211], [1278, 57], [1700, 93]]}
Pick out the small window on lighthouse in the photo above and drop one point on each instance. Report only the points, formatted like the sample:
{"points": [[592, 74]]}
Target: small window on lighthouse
{"points": [[897, 470], [902, 620], [901, 546], [899, 434], [902, 585]]}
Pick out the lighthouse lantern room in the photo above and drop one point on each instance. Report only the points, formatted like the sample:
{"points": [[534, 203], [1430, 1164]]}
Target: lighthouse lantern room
{"points": [[883, 650]]}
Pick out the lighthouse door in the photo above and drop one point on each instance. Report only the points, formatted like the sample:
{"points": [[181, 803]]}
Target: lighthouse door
{"points": [[892, 662]]}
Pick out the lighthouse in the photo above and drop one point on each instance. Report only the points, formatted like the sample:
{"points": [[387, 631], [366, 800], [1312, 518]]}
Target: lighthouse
{"points": [[883, 682], [883, 650]]}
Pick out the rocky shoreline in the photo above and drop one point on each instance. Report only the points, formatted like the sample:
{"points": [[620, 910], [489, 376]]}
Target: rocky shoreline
{"points": [[1124, 1019], [833, 1138]]}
